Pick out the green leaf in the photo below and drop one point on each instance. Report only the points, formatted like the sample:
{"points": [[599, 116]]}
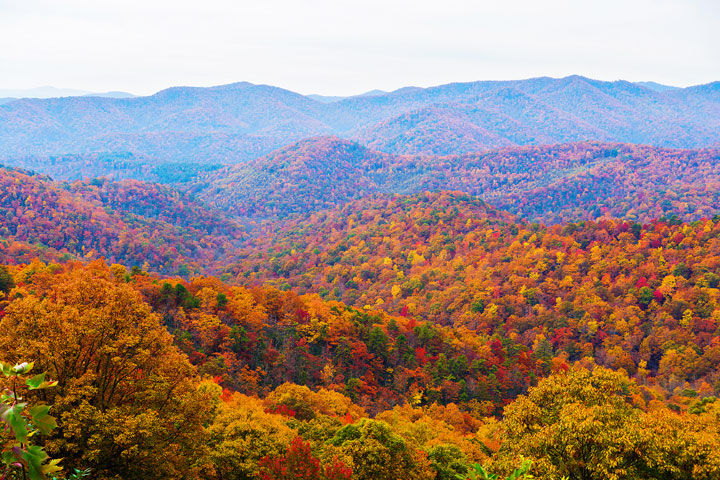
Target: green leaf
{"points": [[35, 381], [482, 473], [517, 474], [44, 422], [16, 422], [38, 382], [35, 456]]}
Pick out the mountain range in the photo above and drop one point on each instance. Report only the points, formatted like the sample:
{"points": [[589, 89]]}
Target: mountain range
{"points": [[239, 122], [408, 283]]}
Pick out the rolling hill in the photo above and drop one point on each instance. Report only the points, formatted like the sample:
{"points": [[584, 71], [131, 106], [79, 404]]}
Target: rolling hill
{"points": [[364, 279], [178, 124], [116, 165]]}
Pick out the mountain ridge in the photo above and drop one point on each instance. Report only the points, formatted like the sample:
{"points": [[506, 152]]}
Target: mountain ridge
{"points": [[241, 121], [551, 183]]}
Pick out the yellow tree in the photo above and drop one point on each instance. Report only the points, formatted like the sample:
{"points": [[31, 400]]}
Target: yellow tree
{"points": [[241, 435], [378, 453], [582, 425], [577, 424], [126, 399]]}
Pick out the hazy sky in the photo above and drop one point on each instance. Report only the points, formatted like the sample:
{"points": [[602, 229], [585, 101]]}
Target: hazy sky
{"points": [[338, 47]]}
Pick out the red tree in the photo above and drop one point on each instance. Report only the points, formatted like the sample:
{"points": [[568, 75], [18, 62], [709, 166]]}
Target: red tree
{"points": [[298, 463]]}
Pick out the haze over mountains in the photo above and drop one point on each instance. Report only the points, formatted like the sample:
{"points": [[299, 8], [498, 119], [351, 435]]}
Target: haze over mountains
{"points": [[549, 150], [239, 122], [8, 95]]}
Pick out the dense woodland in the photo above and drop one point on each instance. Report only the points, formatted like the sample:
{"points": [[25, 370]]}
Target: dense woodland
{"points": [[130, 222], [162, 378], [117, 165], [639, 297], [397, 337]]}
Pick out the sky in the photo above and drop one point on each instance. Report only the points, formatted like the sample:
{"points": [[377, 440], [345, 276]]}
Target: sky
{"points": [[338, 47]]}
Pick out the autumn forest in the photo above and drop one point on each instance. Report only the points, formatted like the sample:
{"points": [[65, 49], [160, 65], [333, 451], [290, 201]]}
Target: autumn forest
{"points": [[475, 281]]}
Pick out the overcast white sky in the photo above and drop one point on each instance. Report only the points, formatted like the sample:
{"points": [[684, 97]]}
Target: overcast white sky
{"points": [[338, 47]]}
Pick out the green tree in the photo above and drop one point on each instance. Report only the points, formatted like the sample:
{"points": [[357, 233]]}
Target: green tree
{"points": [[378, 343], [6, 280], [448, 461]]}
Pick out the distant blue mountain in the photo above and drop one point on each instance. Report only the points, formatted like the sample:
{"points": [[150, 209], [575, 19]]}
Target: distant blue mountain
{"points": [[113, 94], [234, 123], [658, 87], [331, 99]]}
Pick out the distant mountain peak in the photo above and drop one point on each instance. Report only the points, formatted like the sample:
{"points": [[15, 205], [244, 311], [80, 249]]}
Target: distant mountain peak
{"points": [[658, 87], [337, 98], [372, 93], [575, 78], [113, 94], [242, 84], [404, 90]]}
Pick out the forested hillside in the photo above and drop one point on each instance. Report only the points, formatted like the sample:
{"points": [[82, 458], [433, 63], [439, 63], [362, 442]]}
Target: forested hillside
{"points": [[632, 296], [117, 165], [550, 184], [130, 222], [396, 337]]}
